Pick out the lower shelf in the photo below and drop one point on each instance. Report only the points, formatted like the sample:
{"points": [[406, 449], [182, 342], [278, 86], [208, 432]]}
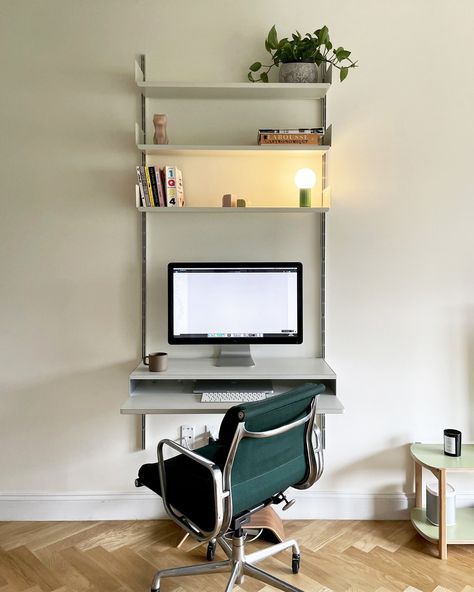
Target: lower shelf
{"points": [[461, 533], [171, 397]]}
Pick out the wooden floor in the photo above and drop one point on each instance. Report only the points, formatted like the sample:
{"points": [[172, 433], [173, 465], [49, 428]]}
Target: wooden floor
{"points": [[337, 556]]}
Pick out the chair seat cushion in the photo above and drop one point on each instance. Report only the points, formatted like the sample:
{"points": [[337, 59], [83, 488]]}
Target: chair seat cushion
{"points": [[191, 491], [190, 485]]}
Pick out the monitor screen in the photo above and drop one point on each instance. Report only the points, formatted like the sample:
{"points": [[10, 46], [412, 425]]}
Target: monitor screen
{"points": [[232, 303]]}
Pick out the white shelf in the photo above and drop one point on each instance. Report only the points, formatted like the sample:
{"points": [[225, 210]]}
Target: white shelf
{"points": [[264, 369], [203, 148], [172, 397], [233, 90], [233, 211], [172, 391]]}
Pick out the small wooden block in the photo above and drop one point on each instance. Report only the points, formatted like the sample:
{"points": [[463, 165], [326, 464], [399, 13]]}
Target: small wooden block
{"points": [[269, 521]]}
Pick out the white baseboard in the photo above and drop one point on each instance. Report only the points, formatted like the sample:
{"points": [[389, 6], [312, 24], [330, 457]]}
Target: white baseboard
{"points": [[147, 506], [80, 506]]}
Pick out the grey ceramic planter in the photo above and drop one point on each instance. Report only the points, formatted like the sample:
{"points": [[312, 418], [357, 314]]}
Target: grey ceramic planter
{"points": [[298, 72]]}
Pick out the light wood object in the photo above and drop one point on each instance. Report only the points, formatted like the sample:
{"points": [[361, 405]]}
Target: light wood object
{"points": [[432, 457], [267, 520]]}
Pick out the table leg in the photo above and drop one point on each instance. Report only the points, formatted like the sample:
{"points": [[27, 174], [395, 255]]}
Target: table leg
{"points": [[443, 546], [418, 485]]}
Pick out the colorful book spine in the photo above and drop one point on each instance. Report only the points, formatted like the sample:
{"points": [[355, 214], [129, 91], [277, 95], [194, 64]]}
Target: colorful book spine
{"points": [[140, 188], [171, 191], [148, 183], [161, 191], [143, 185]]}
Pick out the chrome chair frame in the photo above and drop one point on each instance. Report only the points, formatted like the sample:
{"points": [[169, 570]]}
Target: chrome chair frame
{"points": [[238, 563]]}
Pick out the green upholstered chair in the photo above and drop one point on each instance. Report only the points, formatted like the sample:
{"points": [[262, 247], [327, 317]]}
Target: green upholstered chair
{"points": [[263, 448]]}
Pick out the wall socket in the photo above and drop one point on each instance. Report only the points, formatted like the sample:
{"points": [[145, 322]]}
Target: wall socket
{"points": [[187, 436]]}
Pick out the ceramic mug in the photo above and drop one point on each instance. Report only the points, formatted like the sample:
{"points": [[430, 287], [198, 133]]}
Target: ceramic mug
{"points": [[156, 362]]}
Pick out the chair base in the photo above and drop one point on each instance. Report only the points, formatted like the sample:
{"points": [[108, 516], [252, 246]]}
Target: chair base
{"points": [[238, 564]]}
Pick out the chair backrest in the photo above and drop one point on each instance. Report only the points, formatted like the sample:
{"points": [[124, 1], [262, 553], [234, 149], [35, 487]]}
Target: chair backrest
{"points": [[263, 467]]}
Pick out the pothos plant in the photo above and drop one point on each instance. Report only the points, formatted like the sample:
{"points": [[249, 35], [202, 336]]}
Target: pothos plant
{"points": [[315, 48]]}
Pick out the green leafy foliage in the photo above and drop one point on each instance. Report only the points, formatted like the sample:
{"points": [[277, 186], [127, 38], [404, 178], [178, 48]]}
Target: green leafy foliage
{"points": [[315, 48]]}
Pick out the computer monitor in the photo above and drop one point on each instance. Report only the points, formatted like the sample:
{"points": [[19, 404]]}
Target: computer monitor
{"points": [[235, 305]]}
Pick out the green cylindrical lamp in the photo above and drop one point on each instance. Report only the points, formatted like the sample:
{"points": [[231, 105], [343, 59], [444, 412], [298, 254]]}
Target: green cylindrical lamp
{"points": [[305, 180]]}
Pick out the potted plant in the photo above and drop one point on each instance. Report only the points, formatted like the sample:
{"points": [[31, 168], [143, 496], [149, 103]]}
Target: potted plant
{"points": [[299, 58]]}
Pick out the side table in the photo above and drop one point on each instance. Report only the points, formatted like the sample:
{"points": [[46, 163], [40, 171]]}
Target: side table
{"points": [[432, 457]]}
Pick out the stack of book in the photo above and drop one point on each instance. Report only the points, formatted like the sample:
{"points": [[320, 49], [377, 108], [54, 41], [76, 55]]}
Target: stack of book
{"points": [[312, 135], [160, 187]]}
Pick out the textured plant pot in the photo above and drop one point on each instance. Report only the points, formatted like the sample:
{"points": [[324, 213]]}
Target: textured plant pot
{"points": [[298, 72]]}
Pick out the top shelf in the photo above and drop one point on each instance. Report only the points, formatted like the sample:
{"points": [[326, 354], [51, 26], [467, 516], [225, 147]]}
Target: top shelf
{"points": [[233, 90]]}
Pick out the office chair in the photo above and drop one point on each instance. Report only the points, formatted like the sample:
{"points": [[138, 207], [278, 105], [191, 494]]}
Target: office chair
{"points": [[263, 448]]}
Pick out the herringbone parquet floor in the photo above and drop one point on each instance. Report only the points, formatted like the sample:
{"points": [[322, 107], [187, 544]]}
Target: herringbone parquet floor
{"points": [[337, 556]]}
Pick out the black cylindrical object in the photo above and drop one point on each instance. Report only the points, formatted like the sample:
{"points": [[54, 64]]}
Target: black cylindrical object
{"points": [[452, 442]]}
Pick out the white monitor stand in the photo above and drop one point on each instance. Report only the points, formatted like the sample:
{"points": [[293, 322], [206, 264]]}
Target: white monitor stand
{"points": [[235, 355]]}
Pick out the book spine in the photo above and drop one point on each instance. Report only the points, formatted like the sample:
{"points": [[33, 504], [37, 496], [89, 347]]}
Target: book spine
{"points": [[148, 184], [290, 139], [145, 186], [140, 188], [154, 186], [179, 188], [163, 185], [159, 185], [171, 193]]}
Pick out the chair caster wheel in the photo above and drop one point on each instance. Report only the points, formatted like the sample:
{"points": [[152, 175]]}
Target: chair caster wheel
{"points": [[295, 563], [211, 551]]}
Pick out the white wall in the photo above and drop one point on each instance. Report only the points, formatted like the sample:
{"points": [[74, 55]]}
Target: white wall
{"points": [[400, 282]]}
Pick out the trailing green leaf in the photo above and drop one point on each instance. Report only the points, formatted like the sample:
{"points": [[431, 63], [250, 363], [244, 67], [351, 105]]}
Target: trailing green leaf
{"points": [[255, 67], [343, 73]]}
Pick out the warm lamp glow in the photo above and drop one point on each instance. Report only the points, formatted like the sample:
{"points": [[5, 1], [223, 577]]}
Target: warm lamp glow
{"points": [[305, 179]]}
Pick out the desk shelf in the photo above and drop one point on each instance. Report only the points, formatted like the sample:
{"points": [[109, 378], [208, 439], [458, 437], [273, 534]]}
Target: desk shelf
{"points": [[171, 392], [167, 397]]}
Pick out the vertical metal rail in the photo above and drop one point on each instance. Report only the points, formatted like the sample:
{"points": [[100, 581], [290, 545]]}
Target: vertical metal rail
{"points": [[322, 269], [143, 254], [322, 288]]}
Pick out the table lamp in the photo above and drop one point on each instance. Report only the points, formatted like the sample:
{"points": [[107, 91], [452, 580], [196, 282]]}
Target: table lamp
{"points": [[305, 179]]}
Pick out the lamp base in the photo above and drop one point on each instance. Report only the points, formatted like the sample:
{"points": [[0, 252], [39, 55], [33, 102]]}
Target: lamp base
{"points": [[305, 198]]}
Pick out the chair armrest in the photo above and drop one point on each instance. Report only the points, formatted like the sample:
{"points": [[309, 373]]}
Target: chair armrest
{"points": [[219, 494]]}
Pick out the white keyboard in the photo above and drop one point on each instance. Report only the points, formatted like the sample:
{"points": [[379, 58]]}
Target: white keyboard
{"points": [[233, 397]]}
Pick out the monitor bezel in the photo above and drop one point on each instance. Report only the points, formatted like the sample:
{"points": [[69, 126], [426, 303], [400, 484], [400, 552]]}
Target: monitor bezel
{"points": [[283, 340]]}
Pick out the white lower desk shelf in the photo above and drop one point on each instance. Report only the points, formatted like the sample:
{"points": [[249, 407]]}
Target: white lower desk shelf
{"points": [[171, 392]]}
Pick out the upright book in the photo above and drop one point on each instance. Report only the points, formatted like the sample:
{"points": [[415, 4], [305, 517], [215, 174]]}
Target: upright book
{"points": [[155, 185], [143, 187], [174, 187], [148, 183]]}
